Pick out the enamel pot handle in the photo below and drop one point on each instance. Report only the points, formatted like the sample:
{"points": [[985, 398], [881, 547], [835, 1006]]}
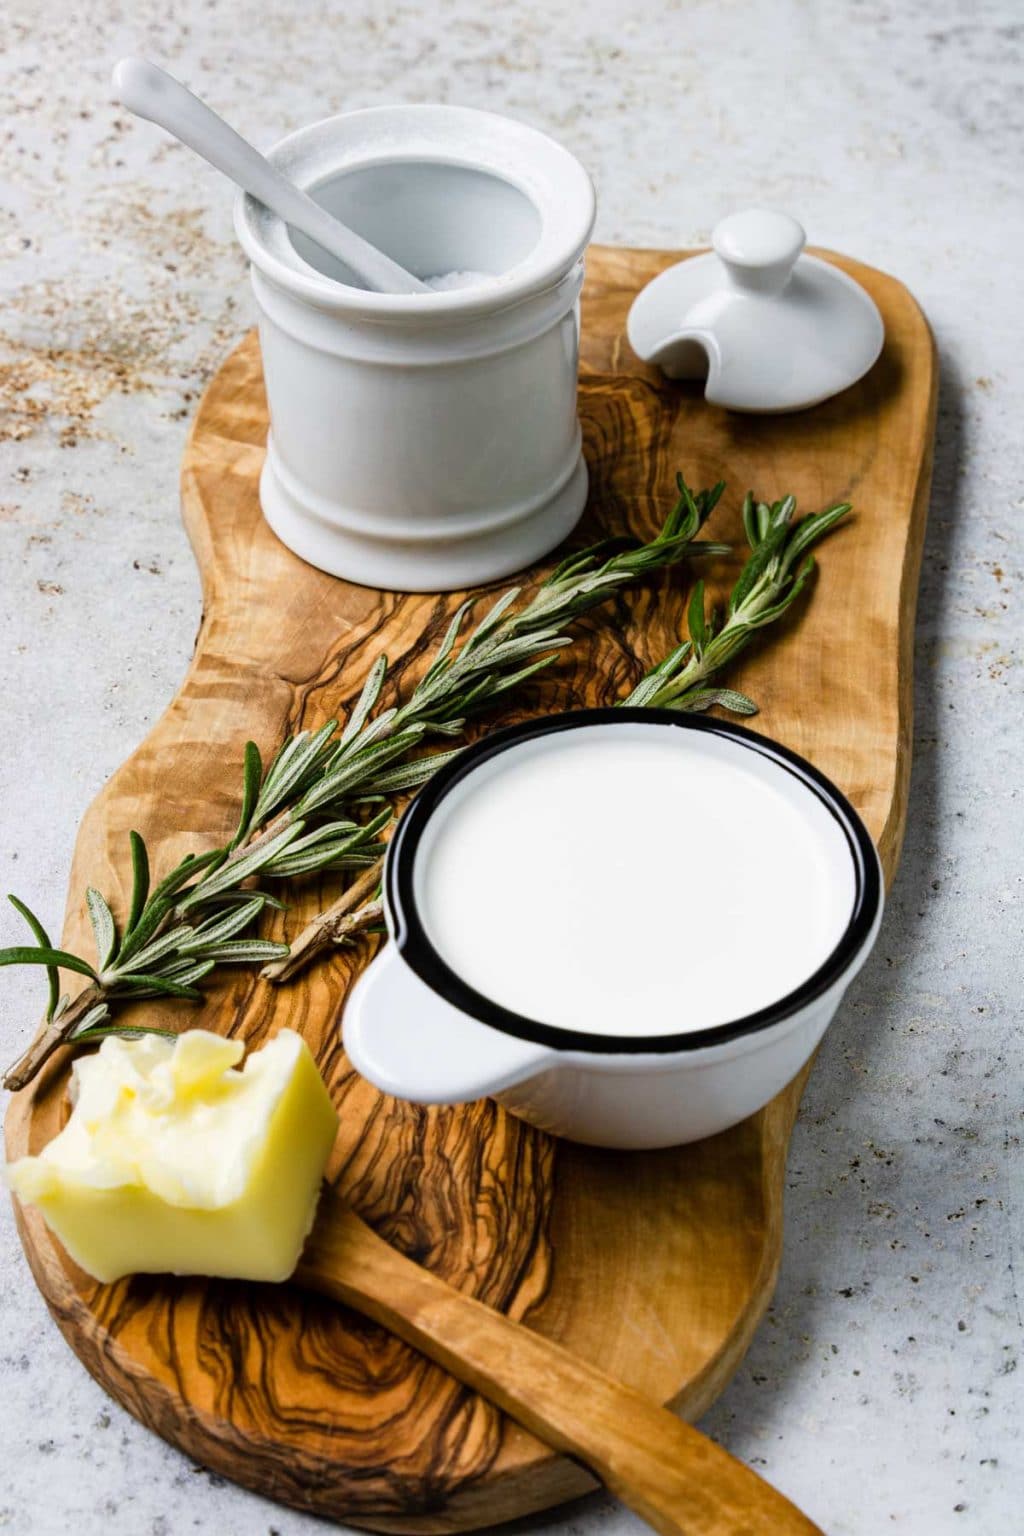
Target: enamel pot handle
{"points": [[410, 1042]]}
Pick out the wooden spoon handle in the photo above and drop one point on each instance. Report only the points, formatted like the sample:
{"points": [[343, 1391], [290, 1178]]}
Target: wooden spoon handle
{"points": [[679, 1481]]}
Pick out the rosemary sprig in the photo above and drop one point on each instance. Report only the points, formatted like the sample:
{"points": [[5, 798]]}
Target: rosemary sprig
{"points": [[318, 777], [775, 572], [372, 756], [296, 815], [154, 955]]}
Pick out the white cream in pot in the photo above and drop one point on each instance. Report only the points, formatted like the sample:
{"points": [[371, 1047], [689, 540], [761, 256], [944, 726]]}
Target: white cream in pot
{"points": [[630, 927], [613, 884]]}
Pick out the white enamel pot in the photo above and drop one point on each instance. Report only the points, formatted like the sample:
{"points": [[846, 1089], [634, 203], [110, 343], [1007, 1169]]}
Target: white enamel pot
{"points": [[426, 441], [417, 1029]]}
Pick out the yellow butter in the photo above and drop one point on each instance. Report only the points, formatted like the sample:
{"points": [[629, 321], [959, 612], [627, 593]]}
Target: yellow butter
{"points": [[175, 1160]]}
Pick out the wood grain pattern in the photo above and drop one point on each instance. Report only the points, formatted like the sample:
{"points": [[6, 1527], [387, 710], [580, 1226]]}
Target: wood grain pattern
{"points": [[680, 1482], [657, 1267]]}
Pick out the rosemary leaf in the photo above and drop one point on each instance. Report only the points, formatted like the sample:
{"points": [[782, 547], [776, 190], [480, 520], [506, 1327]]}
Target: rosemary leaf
{"points": [[104, 928], [152, 985], [750, 522], [367, 699], [154, 914], [252, 774], [411, 775], [42, 938], [146, 957], [695, 619], [103, 1031], [247, 863], [701, 699], [20, 954], [294, 770], [92, 1019], [140, 881], [247, 951], [223, 925], [188, 970]]}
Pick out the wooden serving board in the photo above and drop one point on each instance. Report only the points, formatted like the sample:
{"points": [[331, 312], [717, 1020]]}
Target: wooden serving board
{"points": [[656, 1266]]}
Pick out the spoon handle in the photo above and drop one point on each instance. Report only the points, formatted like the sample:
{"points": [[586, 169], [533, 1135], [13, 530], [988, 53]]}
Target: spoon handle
{"points": [[679, 1481], [150, 92]]}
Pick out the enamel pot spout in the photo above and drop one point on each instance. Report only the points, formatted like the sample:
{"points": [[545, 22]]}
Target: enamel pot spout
{"points": [[408, 1041]]}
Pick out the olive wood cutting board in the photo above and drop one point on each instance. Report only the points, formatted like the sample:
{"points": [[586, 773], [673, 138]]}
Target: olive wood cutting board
{"points": [[655, 1266]]}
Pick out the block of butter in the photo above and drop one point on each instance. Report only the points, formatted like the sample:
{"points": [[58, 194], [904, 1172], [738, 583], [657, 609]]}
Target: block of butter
{"points": [[176, 1161]]}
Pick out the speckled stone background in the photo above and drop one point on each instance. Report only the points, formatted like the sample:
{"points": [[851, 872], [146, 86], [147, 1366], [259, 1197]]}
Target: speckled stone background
{"points": [[881, 1392]]}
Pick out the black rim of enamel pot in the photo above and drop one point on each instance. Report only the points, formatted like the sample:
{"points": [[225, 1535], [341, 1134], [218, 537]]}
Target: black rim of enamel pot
{"points": [[419, 954]]}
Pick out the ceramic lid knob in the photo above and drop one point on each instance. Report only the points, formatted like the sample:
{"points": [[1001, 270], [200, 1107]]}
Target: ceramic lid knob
{"points": [[758, 248]]}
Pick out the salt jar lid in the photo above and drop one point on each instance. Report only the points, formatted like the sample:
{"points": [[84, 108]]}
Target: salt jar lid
{"points": [[772, 328]]}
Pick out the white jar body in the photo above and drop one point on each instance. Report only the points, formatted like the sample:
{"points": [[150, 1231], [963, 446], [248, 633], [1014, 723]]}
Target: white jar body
{"points": [[413, 457]]}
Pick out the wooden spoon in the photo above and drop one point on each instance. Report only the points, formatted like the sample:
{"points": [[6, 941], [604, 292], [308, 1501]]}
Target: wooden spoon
{"points": [[677, 1479]]}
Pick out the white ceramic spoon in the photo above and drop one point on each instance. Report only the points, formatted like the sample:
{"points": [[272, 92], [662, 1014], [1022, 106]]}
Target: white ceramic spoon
{"points": [[152, 93]]}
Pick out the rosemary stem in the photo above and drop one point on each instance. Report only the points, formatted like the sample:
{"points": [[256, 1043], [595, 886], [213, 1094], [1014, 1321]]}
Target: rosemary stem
{"points": [[50, 1038], [256, 839], [353, 911]]}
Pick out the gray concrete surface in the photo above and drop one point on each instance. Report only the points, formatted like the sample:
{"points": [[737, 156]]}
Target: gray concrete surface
{"points": [[881, 1392]]}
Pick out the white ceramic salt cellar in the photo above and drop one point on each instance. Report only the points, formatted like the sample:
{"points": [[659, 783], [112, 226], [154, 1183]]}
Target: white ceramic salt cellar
{"points": [[425, 441], [771, 327]]}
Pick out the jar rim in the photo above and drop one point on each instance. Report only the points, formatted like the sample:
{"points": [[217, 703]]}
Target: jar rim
{"points": [[527, 159]]}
